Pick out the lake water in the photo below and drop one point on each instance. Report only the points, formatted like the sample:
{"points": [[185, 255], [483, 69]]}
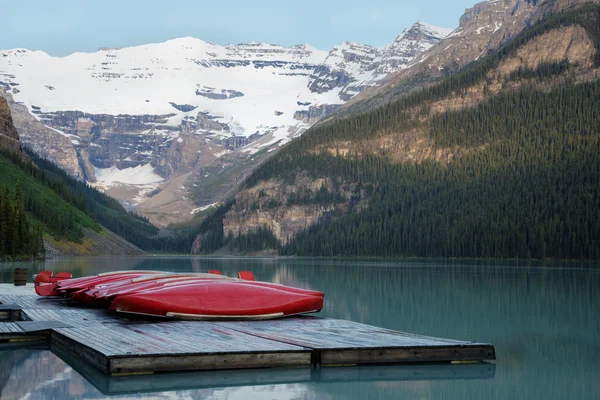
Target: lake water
{"points": [[544, 320]]}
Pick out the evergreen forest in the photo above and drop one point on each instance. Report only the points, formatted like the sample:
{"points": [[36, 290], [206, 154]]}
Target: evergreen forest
{"points": [[19, 237], [65, 208], [524, 182]]}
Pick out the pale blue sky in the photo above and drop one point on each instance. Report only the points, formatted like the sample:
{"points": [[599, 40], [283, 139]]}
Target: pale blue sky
{"points": [[61, 27]]}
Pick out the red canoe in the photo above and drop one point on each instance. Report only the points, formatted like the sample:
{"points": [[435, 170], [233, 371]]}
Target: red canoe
{"points": [[73, 285], [102, 295], [45, 283], [110, 293], [261, 284], [218, 300]]}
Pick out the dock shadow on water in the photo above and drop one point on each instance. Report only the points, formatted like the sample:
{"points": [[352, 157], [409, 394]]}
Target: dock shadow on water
{"points": [[49, 376], [541, 318]]}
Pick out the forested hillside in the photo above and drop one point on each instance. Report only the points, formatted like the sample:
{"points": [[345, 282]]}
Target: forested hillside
{"points": [[19, 237], [67, 207], [501, 160], [38, 199]]}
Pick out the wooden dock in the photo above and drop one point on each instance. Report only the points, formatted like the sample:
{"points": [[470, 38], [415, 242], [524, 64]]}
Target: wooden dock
{"points": [[378, 374], [118, 346]]}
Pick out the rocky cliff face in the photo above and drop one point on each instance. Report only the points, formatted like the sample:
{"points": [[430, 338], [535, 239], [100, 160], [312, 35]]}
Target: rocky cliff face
{"points": [[269, 205], [9, 138], [353, 67], [44, 141], [482, 29]]}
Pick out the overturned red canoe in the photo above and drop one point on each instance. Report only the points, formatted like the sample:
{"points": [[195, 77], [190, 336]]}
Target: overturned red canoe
{"points": [[111, 292], [218, 300], [45, 283], [74, 285], [102, 295]]}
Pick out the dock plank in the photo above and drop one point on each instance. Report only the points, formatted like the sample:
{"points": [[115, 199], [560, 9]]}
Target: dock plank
{"points": [[345, 342], [153, 347], [10, 312], [115, 345], [11, 334], [76, 317], [333, 333], [35, 302], [37, 326]]}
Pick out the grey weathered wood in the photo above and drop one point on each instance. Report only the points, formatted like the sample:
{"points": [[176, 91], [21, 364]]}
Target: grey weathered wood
{"points": [[9, 307], [337, 342], [10, 312], [176, 346], [196, 362], [11, 332], [75, 317], [114, 345], [37, 326], [124, 384], [406, 354], [78, 349], [35, 302], [10, 327]]}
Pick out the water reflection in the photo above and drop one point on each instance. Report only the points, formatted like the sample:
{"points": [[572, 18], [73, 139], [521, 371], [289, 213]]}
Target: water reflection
{"points": [[42, 375], [542, 319]]}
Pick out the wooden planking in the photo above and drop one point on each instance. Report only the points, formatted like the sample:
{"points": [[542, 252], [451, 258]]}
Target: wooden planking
{"points": [[339, 342], [320, 333], [197, 362], [171, 338], [11, 333], [129, 384], [10, 289], [179, 346], [37, 326], [76, 317], [115, 345], [10, 327], [10, 312], [35, 302], [409, 354], [9, 307], [66, 344]]}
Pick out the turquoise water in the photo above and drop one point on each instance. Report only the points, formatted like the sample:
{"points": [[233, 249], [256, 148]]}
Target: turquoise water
{"points": [[543, 320]]}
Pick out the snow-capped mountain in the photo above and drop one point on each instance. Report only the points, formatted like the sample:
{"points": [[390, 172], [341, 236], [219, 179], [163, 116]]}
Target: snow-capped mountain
{"points": [[354, 67], [242, 85], [172, 108]]}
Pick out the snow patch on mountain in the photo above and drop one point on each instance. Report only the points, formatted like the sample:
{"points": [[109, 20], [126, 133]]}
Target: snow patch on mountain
{"points": [[138, 113], [353, 67], [253, 86], [140, 175]]}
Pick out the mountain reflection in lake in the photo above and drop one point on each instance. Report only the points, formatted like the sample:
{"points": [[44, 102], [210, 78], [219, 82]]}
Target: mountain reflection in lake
{"points": [[542, 319]]}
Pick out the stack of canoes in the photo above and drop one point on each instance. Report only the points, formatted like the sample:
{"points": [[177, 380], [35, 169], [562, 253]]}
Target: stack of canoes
{"points": [[183, 296]]}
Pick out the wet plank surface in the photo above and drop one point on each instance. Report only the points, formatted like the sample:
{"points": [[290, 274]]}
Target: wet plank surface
{"points": [[319, 333], [75, 317], [9, 327], [33, 302], [170, 338], [116, 345]]}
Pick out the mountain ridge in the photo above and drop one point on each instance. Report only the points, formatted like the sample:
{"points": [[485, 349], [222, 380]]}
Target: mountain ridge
{"points": [[395, 180], [184, 106], [482, 29]]}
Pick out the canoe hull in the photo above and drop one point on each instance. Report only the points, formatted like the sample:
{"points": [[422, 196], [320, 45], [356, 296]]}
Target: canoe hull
{"points": [[218, 300]]}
